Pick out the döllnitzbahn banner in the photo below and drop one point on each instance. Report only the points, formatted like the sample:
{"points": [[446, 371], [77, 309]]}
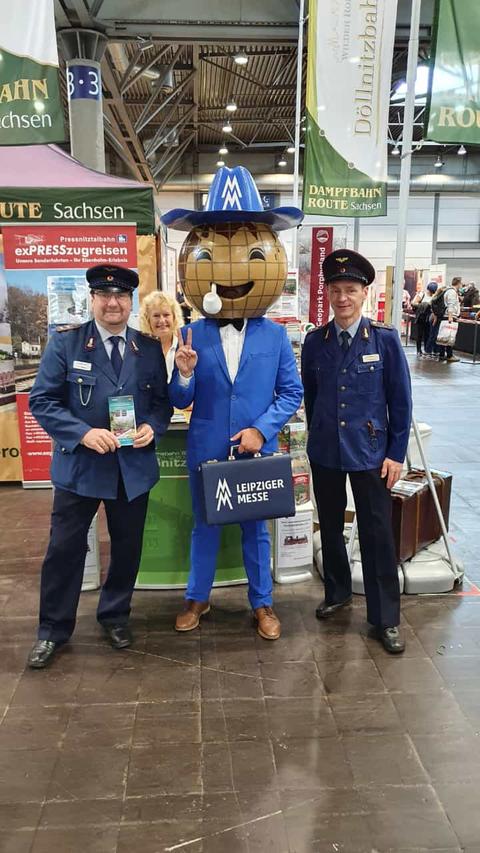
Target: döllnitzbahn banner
{"points": [[350, 49], [453, 106], [30, 103]]}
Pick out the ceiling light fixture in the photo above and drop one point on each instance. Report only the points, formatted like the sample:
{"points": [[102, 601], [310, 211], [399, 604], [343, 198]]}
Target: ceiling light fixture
{"points": [[223, 150], [439, 162], [462, 150], [291, 149], [240, 58], [220, 162], [395, 150], [231, 107], [281, 161], [227, 128]]}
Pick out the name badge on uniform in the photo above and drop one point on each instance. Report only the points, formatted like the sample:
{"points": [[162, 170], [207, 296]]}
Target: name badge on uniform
{"points": [[374, 356], [82, 365]]}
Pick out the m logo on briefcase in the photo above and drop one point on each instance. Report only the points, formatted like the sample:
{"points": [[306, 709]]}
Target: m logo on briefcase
{"points": [[223, 495], [249, 489]]}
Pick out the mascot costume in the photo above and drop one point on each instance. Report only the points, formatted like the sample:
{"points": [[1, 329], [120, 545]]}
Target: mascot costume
{"points": [[235, 366]]}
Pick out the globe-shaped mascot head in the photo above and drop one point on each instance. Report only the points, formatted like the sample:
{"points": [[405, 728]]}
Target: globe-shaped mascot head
{"points": [[232, 263]]}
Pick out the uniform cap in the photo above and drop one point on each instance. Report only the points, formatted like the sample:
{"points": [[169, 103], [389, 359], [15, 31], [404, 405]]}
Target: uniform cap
{"points": [[345, 264], [112, 279]]}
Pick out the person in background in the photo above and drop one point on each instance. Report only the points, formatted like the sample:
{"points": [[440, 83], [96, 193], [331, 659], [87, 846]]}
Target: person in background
{"points": [[160, 316], [471, 296], [432, 329], [451, 312], [421, 306]]}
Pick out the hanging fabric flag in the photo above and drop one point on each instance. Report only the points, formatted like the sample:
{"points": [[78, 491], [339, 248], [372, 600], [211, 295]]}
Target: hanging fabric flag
{"points": [[453, 105], [350, 50], [30, 103]]}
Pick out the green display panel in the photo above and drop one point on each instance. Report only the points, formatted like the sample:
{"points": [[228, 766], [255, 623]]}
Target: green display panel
{"points": [[165, 559]]}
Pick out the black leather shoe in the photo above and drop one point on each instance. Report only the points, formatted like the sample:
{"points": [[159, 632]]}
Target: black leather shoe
{"points": [[325, 610], [391, 640], [41, 654], [119, 635]]}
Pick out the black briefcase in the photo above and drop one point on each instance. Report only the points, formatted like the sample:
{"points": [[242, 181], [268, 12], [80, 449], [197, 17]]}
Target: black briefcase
{"points": [[248, 489]]}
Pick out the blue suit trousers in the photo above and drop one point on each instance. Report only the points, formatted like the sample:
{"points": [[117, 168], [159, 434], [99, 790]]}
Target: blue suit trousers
{"points": [[204, 550]]}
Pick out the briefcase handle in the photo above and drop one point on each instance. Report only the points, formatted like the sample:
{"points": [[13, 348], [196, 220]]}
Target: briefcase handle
{"points": [[232, 457]]}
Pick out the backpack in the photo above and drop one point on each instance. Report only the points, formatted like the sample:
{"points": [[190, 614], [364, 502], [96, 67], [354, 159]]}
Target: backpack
{"points": [[438, 305]]}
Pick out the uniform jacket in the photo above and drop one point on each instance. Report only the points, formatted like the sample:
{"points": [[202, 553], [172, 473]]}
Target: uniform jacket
{"points": [[358, 404], [68, 399], [267, 390]]}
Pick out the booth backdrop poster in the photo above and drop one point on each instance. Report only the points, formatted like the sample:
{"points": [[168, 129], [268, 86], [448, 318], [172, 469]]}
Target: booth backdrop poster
{"points": [[350, 50], [453, 106], [45, 269], [322, 245], [10, 462], [30, 103]]}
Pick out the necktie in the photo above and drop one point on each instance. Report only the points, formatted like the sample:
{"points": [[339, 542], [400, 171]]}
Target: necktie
{"points": [[238, 324], [116, 358], [345, 336]]}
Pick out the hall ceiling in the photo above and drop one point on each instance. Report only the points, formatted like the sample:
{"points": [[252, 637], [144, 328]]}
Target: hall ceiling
{"points": [[168, 72]]}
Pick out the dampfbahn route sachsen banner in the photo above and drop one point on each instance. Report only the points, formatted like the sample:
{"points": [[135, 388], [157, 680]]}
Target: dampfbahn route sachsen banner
{"points": [[350, 49], [453, 106], [30, 103]]}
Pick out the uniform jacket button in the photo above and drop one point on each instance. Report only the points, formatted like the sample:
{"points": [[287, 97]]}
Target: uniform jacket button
{"points": [[343, 423], [342, 405], [344, 370], [372, 369], [79, 380], [343, 387]]}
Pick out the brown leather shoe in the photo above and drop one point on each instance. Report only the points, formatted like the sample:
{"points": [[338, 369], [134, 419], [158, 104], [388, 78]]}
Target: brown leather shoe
{"points": [[268, 625], [190, 616]]}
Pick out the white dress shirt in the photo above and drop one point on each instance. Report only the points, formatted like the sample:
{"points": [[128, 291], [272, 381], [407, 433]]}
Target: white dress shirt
{"points": [[232, 344], [170, 358], [106, 335]]}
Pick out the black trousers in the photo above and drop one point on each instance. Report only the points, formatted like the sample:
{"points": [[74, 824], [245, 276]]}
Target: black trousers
{"points": [[62, 570], [374, 518]]}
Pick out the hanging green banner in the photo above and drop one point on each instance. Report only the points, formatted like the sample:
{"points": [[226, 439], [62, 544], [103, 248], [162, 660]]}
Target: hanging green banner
{"points": [[453, 107], [350, 49], [30, 104]]}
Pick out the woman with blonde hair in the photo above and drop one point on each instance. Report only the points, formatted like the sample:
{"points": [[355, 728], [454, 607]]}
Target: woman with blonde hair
{"points": [[161, 317]]}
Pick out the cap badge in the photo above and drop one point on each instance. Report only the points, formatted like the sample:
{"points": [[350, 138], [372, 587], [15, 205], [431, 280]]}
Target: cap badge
{"points": [[109, 277], [342, 270], [341, 261]]}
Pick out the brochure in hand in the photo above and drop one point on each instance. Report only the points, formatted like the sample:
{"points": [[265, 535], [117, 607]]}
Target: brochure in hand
{"points": [[122, 419]]}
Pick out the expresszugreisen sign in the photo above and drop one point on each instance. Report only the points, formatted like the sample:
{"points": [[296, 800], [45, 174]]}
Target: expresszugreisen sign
{"points": [[19, 205], [30, 103]]}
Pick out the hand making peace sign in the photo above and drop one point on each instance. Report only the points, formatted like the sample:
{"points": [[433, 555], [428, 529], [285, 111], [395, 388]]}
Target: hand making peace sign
{"points": [[185, 357]]}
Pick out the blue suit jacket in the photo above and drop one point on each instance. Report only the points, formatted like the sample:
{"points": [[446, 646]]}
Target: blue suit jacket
{"points": [[359, 403], [267, 390], [68, 400]]}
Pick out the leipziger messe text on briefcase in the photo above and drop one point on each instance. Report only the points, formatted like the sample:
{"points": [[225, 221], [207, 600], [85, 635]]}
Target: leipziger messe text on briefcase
{"points": [[249, 489]]}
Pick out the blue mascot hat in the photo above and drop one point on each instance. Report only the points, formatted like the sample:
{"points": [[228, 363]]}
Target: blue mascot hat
{"points": [[233, 197]]}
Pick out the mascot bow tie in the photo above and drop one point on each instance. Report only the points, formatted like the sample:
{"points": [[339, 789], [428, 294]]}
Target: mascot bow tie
{"points": [[237, 323]]}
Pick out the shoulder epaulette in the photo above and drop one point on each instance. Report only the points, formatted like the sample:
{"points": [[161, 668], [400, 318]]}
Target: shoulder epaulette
{"points": [[67, 328], [377, 325]]}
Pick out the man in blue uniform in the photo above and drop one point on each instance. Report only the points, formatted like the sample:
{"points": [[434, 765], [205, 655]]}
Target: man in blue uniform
{"points": [[358, 406], [81, 369]]}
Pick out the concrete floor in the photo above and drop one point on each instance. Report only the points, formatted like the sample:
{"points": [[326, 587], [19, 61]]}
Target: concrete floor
{"points": [[219, 742]]}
